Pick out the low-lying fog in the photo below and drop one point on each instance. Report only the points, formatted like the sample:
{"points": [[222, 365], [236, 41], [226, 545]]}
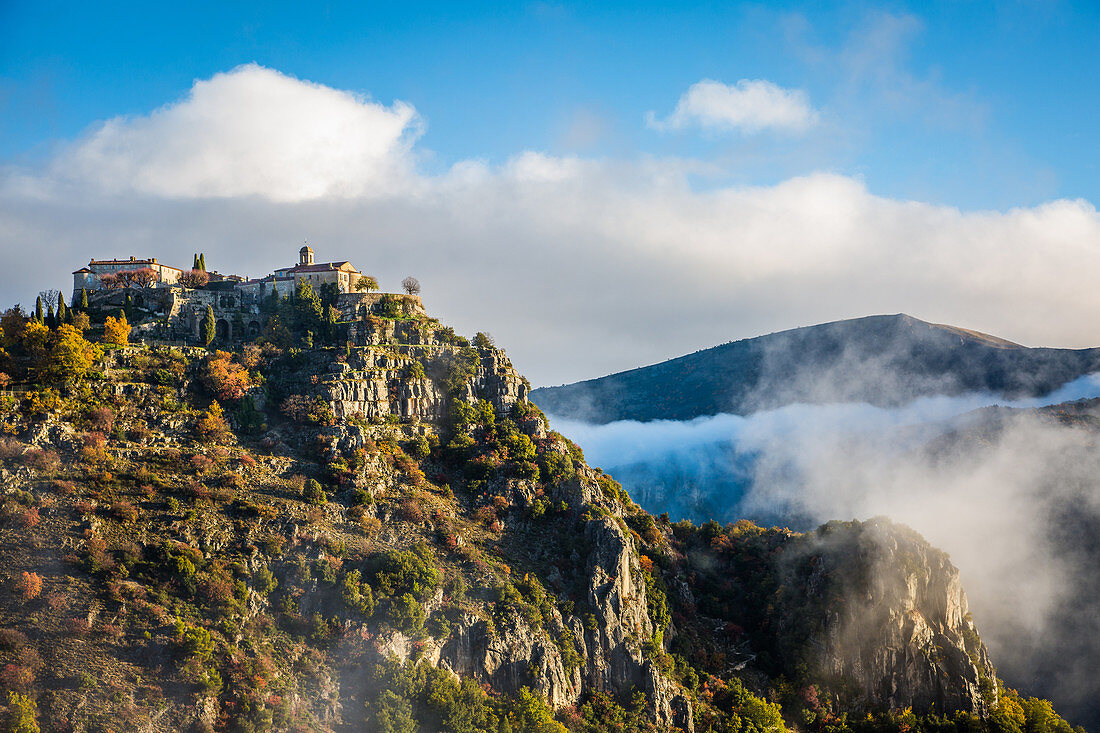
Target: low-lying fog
{"points": [[1017, 508]]}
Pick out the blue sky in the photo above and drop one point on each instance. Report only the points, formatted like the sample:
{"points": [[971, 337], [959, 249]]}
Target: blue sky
{"points": [[598, 185], [1001, 102]]}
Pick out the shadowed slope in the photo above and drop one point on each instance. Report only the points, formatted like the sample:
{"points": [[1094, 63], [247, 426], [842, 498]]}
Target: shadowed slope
{"points": [[882, 360]]}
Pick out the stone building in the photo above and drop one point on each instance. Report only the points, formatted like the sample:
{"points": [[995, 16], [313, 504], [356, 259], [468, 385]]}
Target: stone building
{"points": [[285, 279], [88, 276]]}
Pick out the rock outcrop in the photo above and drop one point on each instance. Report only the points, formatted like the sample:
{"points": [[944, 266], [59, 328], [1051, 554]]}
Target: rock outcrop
{"points": [[892, 618]]}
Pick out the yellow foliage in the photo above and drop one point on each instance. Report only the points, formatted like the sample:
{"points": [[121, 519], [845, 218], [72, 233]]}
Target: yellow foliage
{"points": [[116, 330], [22, 714], [35, 336], [70, 355], [212, 425]]}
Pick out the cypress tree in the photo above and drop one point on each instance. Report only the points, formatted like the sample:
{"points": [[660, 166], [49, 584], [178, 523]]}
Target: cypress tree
{"points": [[62, 312], [39, 311], [208, 328], [50, 320], [195, 266], [202, 261], [84, 300]]}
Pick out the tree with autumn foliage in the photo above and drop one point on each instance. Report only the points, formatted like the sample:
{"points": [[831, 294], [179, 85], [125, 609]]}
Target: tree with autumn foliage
{"points": [[22, 714], [211, 424], [227, 379], [116, 330], [70, 355], [28, 586]]}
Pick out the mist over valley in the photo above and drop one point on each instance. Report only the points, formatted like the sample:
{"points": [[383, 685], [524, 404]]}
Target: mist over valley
{"points": [[988, 449]]}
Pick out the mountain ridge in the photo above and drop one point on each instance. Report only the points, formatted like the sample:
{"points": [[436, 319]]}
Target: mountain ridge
{"points": [[884, 360]]}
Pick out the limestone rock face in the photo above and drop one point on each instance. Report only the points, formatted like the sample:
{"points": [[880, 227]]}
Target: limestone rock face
{"points": [[376, 383], [510, 653], [893, 618], [615, 591]]}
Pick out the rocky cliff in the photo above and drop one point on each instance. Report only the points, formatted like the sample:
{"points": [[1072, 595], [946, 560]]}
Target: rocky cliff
{"points": [[387, 535], [893, 618]]}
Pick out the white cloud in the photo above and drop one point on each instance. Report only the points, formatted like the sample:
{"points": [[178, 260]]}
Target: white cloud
{"points": [[750, 105], [251, 131], [579, 266]]}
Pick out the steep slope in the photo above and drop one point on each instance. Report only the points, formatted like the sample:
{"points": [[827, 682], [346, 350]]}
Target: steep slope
{"points": [[387, 537], [867, 614], [882, 360]]}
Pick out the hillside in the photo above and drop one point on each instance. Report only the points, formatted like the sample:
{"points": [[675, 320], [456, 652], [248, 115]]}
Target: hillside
{"points": [[387, 537], [881, 360]]}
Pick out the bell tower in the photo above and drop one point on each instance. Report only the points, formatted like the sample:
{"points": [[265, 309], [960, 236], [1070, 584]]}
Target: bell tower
{"points": [[305, 255]]}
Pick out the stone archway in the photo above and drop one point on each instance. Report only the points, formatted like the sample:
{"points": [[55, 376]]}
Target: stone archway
{"points": [[253, 328], [223, 330]]}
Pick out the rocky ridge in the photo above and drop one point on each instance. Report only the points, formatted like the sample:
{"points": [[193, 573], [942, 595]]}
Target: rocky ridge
{"points": [[397, 510]]}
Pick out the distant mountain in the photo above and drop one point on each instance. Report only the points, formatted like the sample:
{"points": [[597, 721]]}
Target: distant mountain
{"points": [[882, 360]]}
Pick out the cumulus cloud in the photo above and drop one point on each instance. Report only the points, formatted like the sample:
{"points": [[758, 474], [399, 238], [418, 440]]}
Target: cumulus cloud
{"points": [[579, 266], [750, 105], [251, 131]]}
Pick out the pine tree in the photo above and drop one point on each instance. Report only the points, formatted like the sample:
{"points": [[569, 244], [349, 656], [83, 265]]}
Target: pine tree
{"points": [[39, 311], [83, 300], [208, 329]]}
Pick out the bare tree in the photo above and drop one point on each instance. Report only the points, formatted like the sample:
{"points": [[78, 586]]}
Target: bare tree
{"points": [[49, 297], [144, 277], [411, 285], [193, 279]]}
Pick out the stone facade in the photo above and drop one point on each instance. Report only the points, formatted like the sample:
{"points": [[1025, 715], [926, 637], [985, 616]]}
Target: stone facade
{"points": [[88, 277]]}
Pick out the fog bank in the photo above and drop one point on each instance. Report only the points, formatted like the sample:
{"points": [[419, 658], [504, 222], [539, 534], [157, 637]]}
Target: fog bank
{"points": [[1012, 495]]}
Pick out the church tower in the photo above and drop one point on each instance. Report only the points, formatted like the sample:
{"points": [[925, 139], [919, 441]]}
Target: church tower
{"points": [[305, 255]]}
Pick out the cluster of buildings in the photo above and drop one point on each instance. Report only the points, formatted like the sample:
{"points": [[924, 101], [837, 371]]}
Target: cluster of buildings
{"points": [[111, 274], [176, 307]]}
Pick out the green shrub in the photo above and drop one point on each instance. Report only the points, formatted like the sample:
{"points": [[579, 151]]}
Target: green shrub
{"points": [[356, 594], [419, 448], [399, 572], [404, 613], [313, 494]]}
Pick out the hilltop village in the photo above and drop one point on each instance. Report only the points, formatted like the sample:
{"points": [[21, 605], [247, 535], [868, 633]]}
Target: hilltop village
{"points": [[357, 520], [163, 302]]}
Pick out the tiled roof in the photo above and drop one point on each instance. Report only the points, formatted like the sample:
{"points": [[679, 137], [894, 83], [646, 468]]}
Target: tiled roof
{"points": [[149, 261], [320, 267]]}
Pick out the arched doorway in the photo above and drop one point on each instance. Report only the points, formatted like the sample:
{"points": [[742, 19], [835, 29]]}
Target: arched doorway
{"points": [[222, 329]]}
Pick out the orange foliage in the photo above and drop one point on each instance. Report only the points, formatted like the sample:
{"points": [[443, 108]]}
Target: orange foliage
{"points": [[211, 424], [116, 330], [29, 585], [225, 378]]}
